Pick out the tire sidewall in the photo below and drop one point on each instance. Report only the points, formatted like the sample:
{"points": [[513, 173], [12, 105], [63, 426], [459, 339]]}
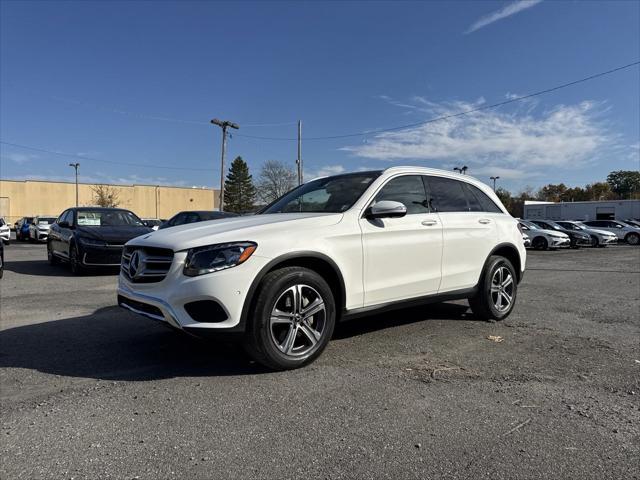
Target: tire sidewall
{"points": [[494, 263], [265, 304], [632, 235]]}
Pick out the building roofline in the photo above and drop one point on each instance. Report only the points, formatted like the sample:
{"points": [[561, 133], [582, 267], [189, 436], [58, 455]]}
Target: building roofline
{"points": [[107, 184]]}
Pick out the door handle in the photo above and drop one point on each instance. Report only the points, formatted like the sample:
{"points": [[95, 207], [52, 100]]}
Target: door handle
{"points": [[484, 221], [429, 223]]}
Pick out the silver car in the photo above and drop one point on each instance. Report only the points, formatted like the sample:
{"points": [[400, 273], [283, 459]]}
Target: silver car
{"points": [[542, 239], [5, 231], [625, 232], [599, 238], [39, 228]]}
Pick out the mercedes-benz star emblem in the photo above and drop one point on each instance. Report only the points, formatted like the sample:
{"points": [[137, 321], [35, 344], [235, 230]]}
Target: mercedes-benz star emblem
{"points": [[134, 264]]}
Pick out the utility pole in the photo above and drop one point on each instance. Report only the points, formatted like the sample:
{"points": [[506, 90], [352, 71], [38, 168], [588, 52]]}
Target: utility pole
{"points": [[494, 182], [224, 124], [75, 166], [299, 160]]}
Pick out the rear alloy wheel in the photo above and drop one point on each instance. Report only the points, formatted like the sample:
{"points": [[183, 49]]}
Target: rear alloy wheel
{"points": [[632, 239], [497, 291], [74, 260], [293, 319]]}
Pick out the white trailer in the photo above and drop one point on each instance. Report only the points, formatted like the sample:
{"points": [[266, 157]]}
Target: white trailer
{"points": [[600, 210]]}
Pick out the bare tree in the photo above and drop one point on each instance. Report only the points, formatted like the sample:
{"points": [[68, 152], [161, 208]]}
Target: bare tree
{"points": [[105, 196], [275, 180]]}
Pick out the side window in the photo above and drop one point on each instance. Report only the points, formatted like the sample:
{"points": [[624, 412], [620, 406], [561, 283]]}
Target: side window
{"points": [[191, 217], [67, 217], [176, 220], [447, 195], [409, 190], [61, 217], [487, 205]]}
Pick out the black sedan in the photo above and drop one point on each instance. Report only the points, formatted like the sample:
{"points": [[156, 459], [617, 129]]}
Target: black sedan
{"points": [[578, 238], [92, 237], [195, 216]]}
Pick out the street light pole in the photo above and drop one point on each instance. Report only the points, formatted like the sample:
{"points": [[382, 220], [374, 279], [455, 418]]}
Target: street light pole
{"points": [[75, 166], [299, 160], [224, 124], [494, 182]]}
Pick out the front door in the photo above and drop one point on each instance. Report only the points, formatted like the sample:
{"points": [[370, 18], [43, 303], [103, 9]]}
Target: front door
{"points": [[402, 256]]}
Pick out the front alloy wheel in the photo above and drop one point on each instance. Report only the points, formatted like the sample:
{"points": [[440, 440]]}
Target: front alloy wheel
{"points": [[292, 318], [298, 320], [74, 260]]}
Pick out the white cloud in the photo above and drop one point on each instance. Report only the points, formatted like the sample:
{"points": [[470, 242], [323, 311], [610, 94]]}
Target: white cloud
{"points": [[492, 141], [506, 11], [19, 158], [324, 171]]}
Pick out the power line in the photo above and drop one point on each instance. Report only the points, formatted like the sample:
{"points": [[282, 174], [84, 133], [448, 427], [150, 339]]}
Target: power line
{"points": [[453, 115], [112, 162]]}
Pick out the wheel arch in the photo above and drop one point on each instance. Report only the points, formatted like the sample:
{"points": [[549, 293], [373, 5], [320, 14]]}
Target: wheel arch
{"points": [[316, 261], [511, 253]]}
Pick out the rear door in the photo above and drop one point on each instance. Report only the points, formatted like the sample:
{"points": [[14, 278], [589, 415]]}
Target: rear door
{"points": [[402, 256], [469, 230]]}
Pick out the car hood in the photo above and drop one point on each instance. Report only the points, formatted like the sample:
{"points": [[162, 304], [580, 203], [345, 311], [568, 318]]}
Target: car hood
{"points": [[235, 229], [552, 232], [114, 235], [599, 232]]}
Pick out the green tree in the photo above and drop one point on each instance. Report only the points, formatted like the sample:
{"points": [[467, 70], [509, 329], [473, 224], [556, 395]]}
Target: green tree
{"points": [[552, 193], [239, 192], [599, 191], [625, 183], [505, 197]]}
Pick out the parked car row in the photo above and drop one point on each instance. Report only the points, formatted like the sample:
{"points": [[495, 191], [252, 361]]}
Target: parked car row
{"points": [[549, 234]]}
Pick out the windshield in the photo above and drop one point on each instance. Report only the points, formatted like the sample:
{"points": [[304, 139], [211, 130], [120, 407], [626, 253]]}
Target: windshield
{"points": [[46, 220], [529, 225], [328, 195], [572, 226], [107, 218], [554, 225]]}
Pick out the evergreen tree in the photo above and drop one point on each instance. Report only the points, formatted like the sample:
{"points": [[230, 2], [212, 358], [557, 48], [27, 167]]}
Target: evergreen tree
{"points": [[239, 192]]}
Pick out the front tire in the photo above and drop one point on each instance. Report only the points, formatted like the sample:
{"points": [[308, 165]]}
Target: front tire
{"points": [[292, 319], [540, 243], [75, 260], [497, 290], [53, 260]]}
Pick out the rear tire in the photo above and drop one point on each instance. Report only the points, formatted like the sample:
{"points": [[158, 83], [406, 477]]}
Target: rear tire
{"points": [[279, 335], [497, 290], [632, 238]]}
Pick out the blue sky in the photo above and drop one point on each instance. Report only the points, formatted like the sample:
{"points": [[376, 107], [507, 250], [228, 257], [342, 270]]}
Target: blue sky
{"points": [[138, 82]]}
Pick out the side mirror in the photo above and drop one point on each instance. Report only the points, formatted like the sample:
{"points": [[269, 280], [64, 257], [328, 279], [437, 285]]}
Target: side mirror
{"points": [[64, 225], [386, 209]]}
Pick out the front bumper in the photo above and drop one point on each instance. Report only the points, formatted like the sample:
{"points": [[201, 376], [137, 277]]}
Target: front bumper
{"points": [[559, 242], [6, 236], [165, 300], [99, 256], [582, 242], [608, 240]]}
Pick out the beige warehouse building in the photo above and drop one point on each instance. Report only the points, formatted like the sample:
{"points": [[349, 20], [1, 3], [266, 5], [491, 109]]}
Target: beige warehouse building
{"points": [[25, 198]]}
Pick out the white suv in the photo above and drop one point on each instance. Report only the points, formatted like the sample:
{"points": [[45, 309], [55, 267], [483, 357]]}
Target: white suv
{"points": [[334, 248]]}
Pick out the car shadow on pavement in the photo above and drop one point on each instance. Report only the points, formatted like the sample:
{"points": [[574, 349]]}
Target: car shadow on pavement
{"points": [[42, 268], [112, 344], [397, 318]]}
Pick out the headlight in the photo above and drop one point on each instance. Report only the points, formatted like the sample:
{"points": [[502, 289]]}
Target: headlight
{"points": [[213, 258], [91, 241]]}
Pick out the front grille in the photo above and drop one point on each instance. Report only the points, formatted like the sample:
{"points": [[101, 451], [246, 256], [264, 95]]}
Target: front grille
{"points": [[149, 265]]}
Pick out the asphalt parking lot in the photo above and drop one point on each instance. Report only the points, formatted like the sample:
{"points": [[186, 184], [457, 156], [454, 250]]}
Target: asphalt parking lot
{"points": [[89, 390]]}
